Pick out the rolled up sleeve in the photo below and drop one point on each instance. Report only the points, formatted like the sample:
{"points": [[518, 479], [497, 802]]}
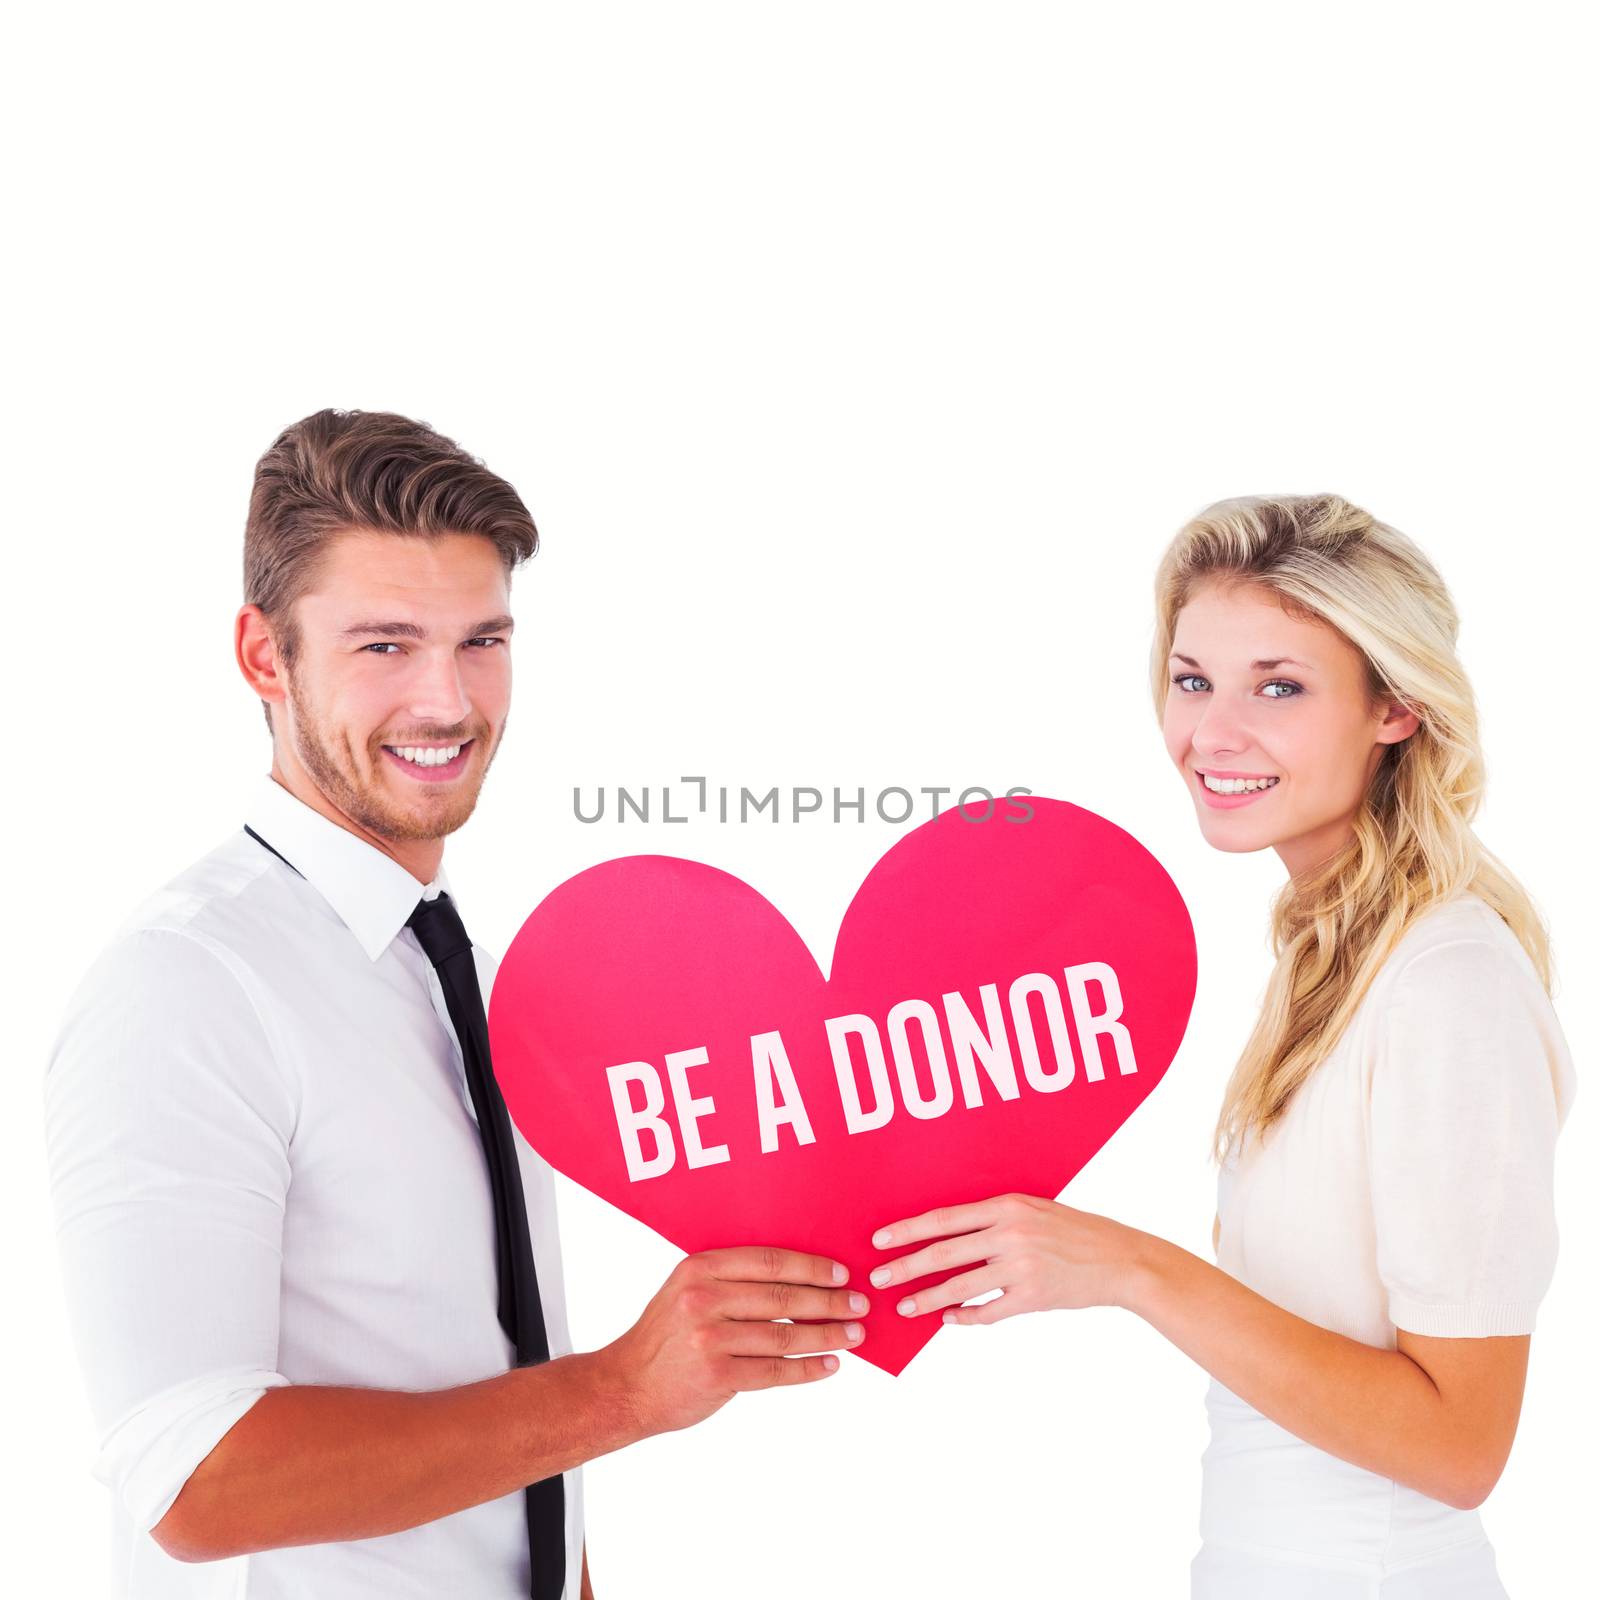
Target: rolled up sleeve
{"points": [[168, 1120]]}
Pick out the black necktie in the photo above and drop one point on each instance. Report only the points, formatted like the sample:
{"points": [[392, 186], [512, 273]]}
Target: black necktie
{"points": [[437, 925]]}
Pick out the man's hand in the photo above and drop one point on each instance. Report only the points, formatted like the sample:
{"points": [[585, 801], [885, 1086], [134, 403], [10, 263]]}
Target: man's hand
{"points": [[712, 1330]]}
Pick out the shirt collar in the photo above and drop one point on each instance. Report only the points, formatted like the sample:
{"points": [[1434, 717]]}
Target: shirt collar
{"points": [[371, 892]]}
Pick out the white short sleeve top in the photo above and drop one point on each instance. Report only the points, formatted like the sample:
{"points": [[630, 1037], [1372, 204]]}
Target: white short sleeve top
{"points": [[1409, 1183]]}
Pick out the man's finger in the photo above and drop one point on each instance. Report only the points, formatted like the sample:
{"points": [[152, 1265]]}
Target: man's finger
{"points": [[769, 1264], [761, 1302], [789, 1338], [773, 1372]]}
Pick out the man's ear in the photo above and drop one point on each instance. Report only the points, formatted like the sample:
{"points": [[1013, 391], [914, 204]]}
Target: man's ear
{"points": [[256, 652], [259, 660]]}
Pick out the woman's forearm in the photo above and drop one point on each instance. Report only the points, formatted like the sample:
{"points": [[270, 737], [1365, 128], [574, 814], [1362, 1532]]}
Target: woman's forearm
{"points": [[1377, 1408], [1437, 1414]]}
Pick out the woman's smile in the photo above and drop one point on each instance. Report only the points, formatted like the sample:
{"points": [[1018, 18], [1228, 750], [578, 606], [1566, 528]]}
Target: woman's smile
{"points": [[1227, 791]]}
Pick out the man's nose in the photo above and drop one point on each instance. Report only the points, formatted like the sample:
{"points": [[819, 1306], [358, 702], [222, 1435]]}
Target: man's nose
{"points": [[436, 692]]}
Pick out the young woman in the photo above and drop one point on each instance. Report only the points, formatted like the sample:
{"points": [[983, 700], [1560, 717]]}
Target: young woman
{"points": [[1385, 1227]]}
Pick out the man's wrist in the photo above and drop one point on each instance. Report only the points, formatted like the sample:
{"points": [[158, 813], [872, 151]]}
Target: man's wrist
{"points": [[611, 1397]]}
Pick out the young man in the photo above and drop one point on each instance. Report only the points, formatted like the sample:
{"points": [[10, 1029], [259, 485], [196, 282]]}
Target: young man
{"points": [[313, 1272]]}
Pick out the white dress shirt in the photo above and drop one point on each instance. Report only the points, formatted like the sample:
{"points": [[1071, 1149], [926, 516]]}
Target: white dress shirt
{"points": [[266, 1170]]}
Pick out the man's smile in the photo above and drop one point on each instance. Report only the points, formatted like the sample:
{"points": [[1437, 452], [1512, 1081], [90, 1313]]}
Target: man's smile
{"points": [[435, 763]]}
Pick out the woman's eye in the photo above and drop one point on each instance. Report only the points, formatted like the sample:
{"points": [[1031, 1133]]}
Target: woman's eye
{"points": [[1288, 687]]}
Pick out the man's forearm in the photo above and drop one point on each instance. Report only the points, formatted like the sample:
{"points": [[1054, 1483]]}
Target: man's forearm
{"points": [[309, 1464]]}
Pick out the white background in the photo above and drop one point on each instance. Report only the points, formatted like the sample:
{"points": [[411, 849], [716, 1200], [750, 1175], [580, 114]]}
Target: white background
{"points": [[856, 361]]}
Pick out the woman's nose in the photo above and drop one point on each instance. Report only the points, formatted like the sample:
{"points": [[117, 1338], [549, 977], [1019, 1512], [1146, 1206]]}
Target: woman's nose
{"points": [[1220, 731]]}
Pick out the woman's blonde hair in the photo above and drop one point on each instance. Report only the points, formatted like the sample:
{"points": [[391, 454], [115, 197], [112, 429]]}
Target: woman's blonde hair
{"points": [[1330, 561]]}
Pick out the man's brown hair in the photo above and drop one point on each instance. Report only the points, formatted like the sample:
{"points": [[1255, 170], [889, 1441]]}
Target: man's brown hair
{"points": [[335, 471]]}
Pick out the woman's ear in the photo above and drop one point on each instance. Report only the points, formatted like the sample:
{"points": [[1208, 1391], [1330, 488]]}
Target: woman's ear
{"points": [[1399, 722]]}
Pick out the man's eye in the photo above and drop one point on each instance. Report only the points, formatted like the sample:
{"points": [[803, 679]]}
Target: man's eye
{"points": [[1188, 677], [389, 644]]}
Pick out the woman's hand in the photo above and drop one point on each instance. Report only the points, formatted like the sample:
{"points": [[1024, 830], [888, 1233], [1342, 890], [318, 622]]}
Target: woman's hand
{"points": [[1041, 1255]]}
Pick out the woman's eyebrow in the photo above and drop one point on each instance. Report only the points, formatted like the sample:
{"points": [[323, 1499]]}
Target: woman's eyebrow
{"points": [[1255, 666]]}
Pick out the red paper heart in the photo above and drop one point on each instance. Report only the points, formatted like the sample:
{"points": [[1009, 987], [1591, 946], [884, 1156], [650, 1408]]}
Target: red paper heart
{"points": [[647, 955]]}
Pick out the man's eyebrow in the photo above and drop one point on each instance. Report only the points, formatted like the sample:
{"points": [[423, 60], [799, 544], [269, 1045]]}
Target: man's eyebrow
{"points": [[410, 630], [1255, 666]]}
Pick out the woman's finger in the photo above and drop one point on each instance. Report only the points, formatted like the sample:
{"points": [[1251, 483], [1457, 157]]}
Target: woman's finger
{"points": [[935, 1224], [990, 1311], [964, 1286], [961, 1251]]}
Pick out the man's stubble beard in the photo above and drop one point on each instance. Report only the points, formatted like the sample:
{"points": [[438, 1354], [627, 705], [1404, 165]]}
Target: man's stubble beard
{"points": [[364, 806]]}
